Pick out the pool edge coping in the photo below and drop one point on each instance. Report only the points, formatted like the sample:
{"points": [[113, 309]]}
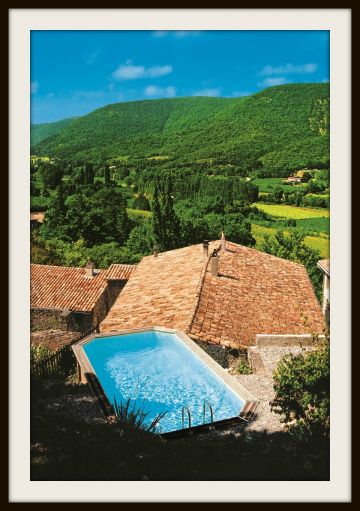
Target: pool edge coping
{"points": [[250, 402]]}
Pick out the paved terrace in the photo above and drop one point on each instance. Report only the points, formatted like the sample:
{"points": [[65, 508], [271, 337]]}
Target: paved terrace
{"points": [[253, 293]]}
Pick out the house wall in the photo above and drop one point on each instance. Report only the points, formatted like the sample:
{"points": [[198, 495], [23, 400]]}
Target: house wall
{"points": [[106, 300], [326, 294]]}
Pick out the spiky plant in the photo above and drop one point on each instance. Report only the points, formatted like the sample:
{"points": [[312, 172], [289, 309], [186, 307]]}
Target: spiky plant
{"points": [[134, 419]]}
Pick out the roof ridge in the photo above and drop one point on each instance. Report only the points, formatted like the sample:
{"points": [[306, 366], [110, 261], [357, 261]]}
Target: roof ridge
{"points": [[65, 267], [265, 253], [199, 289]]}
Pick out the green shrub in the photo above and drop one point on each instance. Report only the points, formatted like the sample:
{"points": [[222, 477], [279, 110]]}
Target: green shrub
{"points": [[302, 387], [243, 367], [38, 353]]}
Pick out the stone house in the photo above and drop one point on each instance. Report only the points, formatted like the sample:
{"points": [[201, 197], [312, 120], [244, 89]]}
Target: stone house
{"points": [[73, 299]]}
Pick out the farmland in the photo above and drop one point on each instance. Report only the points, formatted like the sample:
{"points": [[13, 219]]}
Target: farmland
{"points": [[284, 211]]}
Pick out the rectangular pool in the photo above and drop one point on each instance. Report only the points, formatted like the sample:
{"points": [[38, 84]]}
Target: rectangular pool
{"points": [[159, 372]]}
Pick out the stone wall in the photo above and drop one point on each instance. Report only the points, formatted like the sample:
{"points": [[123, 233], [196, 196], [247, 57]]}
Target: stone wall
{"points": [[107, 300], [55, 319], [47, 319], [263, 340]]}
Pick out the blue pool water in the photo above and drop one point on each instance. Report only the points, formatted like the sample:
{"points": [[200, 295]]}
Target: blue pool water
{"points": [[158, 372]]}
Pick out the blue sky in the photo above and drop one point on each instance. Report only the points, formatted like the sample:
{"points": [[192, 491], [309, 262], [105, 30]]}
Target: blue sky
{"points": [[75, 72]]}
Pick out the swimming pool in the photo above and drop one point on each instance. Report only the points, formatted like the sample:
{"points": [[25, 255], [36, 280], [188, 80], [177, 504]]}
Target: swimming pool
{"points": [[163, 371]]}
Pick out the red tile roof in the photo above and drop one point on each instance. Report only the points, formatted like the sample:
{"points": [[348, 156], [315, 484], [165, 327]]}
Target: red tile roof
{"points": [[254, 293], [161, 292], [120, 271], [59, 287]]}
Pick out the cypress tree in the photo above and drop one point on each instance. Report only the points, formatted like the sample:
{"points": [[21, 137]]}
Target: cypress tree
{"points": [[157, 219], [170, 220], [106, 175]]}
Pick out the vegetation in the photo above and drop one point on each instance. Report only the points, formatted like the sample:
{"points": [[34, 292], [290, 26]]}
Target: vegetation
{"points": [[272, 131], [302, 387], [38, 353], [40, 132], [129, 418], [293, 247], [171, 173], [292, 212]]}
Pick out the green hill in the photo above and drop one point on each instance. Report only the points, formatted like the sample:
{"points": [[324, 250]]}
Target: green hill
{"points": [[39, 132], [284, 127]]}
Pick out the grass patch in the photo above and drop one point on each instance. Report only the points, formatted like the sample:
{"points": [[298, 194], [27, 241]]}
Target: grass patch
{"points": [[284, 211], [314, 225], [158, 157], [136, 213], [319, 243]]}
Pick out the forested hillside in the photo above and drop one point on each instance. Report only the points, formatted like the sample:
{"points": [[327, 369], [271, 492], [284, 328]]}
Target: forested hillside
{"points": [[278, 130], [40, 132]]}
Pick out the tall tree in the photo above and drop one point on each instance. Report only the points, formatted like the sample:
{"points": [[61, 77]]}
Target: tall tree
{"points": [[106, 175], [89, 174], [55, 219], [157, 218]]}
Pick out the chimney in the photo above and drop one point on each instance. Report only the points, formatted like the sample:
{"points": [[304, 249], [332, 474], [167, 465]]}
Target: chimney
{"points": [[89, 269], [214, 268], [155, 250], [205, 249], [223, 241]]}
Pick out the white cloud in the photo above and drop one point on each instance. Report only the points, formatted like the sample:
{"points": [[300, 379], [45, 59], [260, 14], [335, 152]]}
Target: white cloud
{"points": [[128, 71], [34, 87], [155, 91], [287, 69], [270, 82], [208, 92]]}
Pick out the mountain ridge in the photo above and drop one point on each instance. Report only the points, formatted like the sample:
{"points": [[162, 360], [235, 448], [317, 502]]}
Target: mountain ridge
{"points": [[287, 124]]}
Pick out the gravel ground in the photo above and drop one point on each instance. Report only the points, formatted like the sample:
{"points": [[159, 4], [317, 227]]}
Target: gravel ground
{"points": [[262, 388], [271, 356]]}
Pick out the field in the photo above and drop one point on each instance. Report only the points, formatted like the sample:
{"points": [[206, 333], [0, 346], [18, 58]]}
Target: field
{"points": [[319, 243], [284, 211]]}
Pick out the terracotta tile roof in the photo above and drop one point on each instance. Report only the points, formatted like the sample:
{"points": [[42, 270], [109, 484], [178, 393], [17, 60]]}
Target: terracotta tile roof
{"points": [[120, 271], [162, 291], [254, 293], [59, 287], [324, 265]]}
